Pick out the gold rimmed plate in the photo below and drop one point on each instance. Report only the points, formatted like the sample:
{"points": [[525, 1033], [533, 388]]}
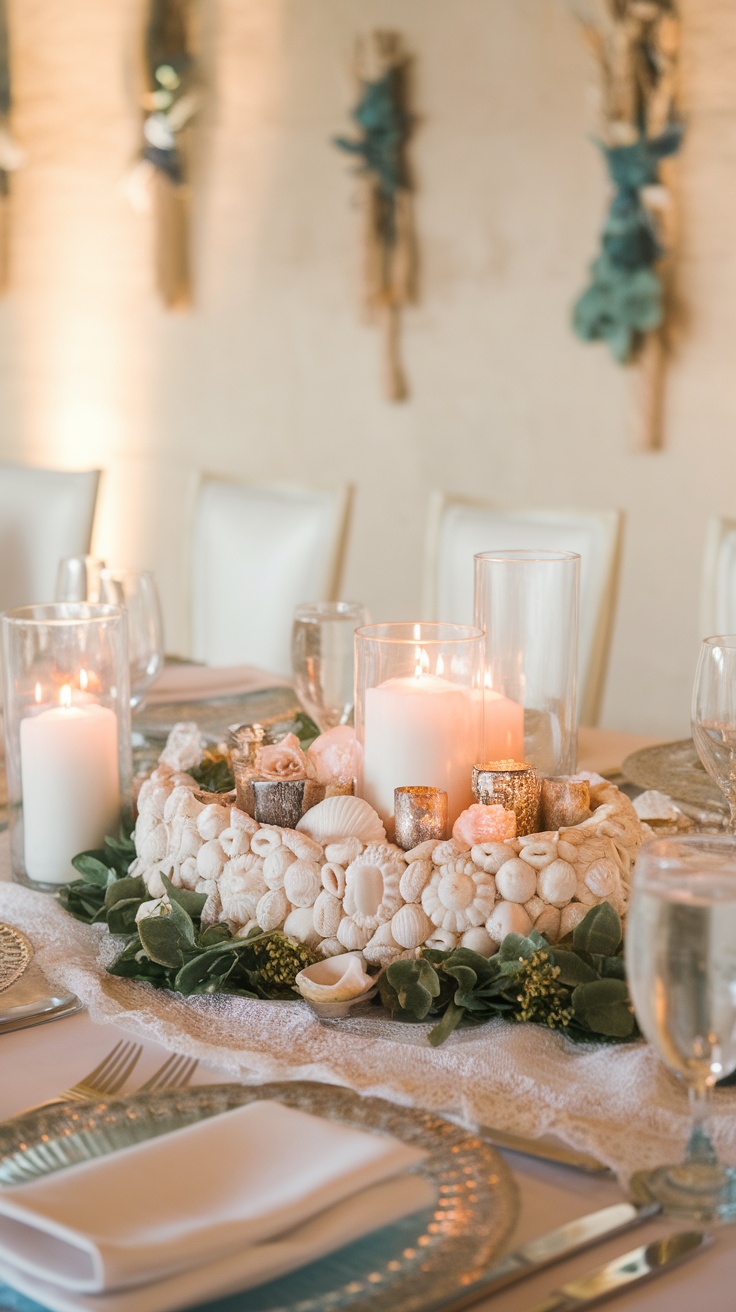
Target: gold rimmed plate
{"points": [[15, 954], [404, 1267], [675, 769]]}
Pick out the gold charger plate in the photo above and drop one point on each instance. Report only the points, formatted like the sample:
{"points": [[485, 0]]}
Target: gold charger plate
{"points": [[15, 954], [675, 769], [406, 1267]]}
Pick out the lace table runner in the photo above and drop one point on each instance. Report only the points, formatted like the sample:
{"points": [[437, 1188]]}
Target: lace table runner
{"points": [[614, 1101]]}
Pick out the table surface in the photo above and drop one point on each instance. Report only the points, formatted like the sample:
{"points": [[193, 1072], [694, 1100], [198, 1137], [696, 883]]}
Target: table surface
{"points": [[38, 1061]]}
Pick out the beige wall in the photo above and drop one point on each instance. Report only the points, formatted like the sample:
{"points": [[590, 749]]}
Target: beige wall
{"points": [[274, 377]]}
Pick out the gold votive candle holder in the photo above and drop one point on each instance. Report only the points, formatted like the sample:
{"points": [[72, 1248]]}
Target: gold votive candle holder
{"points": [[419, 814], [515, 786]]}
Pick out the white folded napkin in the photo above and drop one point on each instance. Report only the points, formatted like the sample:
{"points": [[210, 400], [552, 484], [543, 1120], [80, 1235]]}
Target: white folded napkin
{"points": [[184, 683], [206, 1210]]}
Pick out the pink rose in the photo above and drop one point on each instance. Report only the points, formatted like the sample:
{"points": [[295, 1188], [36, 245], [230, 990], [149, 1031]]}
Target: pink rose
{"points": [[334, 756], [282, 760]]}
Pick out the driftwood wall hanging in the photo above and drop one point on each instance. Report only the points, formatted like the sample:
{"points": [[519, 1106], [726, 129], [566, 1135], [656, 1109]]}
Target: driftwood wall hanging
{"points": [[390, 250], [629, 297], [160, 179]]}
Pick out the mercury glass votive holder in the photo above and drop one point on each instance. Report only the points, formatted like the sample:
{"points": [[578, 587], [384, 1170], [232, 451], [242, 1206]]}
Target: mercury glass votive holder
{"points": [[515, 786], [418, 705], [526, 603], [419, 814], [67, 735]]}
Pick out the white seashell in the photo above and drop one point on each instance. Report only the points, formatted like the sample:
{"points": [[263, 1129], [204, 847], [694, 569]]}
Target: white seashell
{"points": [[184, 839], [276, 865], [333, 879], [422, 851], [272, 909], [186, 874], [450, 850], [557, 883], [152, 846], [410, 926], [353, 937], [507, 918], [330, 947], [241, 820], [442, 940], [534, 908], [210, 860], [299, 924], [540, 854], [415, 879], [212, 909], [154, 793], [583, 894], [265, 840], [546, 836], [372, 885], [548, 923], [212, 820], [459, 895], [570, 916], [516, 881], [334, 980], [567, 851], [327, 914], [245, 930], [234, 842], [382, 949], [182, 801], [342, 817], [302, 883], [491, 856], [153, 881], [603, 878], [241, 888], [479, 940], [344, 852], [303, 847]]}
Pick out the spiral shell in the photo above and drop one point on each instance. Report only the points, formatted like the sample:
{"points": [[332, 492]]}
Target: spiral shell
{"points": [[302, 883], [334, 980], [333, 879], [415, 879], [410, 926], [272, 909], [342, 817], [372, 886], [491, 856], [353, 937], [265, 840], [344, 852], [327, 914], [516, 881], [276, 865]]}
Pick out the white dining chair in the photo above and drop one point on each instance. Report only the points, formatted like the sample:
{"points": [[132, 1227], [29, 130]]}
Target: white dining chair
{"points": [[44, 514], [258, 552], [718, 582], [457, 529]]}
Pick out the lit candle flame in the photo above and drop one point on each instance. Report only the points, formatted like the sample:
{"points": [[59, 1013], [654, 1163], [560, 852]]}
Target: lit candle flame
{"points": [[440, 665], [38, 694], [422, 662], [65, 695], [417, 632], [83, 680]]}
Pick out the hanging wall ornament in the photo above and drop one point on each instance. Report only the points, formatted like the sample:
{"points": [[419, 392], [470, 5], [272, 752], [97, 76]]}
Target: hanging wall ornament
{"points": [[390, 251], [628, 299], [159, 181], [11, 155]]}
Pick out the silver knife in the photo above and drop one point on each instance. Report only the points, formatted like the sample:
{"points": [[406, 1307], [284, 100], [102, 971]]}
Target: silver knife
{"points": [[552, 1247], [35, 1013], [605, 1281]]}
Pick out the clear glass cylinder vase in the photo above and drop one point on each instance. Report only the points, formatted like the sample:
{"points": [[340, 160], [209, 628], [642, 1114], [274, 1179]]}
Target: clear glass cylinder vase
{"points": [[418, 711], [67, 735], [526, 603]]}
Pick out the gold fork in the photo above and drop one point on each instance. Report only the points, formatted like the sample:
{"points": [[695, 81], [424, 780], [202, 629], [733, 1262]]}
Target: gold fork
{"points": [[175, 1073], [109, 1077]]}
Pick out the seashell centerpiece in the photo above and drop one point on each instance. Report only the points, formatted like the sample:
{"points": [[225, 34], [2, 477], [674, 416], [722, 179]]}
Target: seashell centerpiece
{"points": [[332, 987], [337, 884]]}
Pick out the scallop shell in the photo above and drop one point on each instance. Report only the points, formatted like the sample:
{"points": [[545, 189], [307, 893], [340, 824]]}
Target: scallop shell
{"points": [[410, 926], [327, 914], [342, 817], [415, 879], [272, 909], [276, 865], [302, 883], [335, 979]]}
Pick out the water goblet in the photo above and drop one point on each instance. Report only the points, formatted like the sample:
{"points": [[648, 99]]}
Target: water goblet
{"points": [[681, 968], [136, 591], [78, 579], [713, 717], [323, 661]]}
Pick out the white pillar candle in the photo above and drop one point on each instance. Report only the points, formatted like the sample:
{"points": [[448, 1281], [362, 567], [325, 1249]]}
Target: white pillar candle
{"points": [[419, 731], [70, 786], [503, 728]]}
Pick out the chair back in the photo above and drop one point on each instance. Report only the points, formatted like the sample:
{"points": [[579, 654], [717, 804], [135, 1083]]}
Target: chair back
{"points": [[44, 514], [718, 587], [258, 552], [459, 529]]}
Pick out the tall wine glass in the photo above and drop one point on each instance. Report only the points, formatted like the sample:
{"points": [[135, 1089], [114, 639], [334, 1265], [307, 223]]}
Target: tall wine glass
{"points": [[681, 968], [78, 578], [136, 591], [323, 661], [714, 715]]}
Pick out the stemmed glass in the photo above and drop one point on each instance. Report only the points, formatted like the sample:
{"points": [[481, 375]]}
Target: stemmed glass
{"points": [[714, 715], [85, 578], [681, 968], [322, 659]]}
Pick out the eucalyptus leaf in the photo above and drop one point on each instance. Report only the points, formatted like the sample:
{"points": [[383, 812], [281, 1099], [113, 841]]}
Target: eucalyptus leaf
{"points": [[164, 941], [191, 903], [93, 867], [573, 970], [121, 916], [604, 1007], [599, 933]]}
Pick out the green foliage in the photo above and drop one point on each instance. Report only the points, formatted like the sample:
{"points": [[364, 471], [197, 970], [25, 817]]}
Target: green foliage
{"points": [[624, 297], [90, 898], [577, 986], [214, 773]]}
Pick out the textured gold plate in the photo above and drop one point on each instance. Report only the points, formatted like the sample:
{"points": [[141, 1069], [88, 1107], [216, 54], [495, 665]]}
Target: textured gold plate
{"points": [[15, 954]]}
